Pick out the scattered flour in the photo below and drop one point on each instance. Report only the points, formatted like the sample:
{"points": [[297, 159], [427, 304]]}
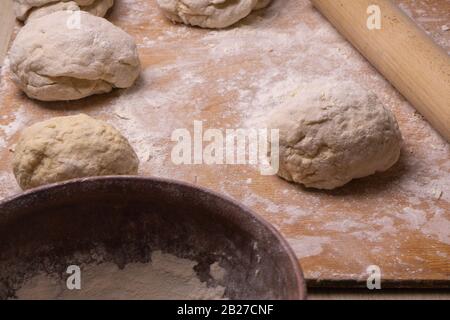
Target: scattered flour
{"points": [[7, 179], [252, 200], [308, 246], [379, 227], [14, 123], [439, 227], [413, 218]]}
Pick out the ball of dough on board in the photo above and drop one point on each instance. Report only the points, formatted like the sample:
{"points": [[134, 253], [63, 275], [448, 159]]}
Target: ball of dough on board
{"points": [[333, 133], [209, 13], [55, 58], [70, 147], [26, 10]]}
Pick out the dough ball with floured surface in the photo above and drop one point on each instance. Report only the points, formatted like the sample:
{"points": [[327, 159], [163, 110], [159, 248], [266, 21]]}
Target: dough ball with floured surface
{"points": [[209, 13], [261, 4], [54, 58], [26, 10], [52, 7], [333, 133], [70, 147]]}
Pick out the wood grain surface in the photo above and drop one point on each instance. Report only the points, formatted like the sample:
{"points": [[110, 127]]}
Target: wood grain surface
{"points": [[398, 220]]}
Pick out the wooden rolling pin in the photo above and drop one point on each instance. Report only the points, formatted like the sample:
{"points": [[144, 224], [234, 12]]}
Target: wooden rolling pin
{"points": [[401, 51]]}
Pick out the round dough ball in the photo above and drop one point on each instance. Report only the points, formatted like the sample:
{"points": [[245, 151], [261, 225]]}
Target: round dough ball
{"points": [[209, 13], [70, 147], [55, 58], [26, 10], [334, 133]]}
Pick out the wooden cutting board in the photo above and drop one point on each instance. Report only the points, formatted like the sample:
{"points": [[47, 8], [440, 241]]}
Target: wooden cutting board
{"points": [[398, 220]]}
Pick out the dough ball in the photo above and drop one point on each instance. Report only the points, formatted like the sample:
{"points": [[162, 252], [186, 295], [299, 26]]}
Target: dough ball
{"points": [[25, 10], [99, 7], [261, 4], [70, 147], [209, 13], [52, 7], [333, 133], [56, 58]]}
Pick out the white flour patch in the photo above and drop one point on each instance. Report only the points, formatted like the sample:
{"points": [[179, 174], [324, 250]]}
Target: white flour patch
{"points": [[138, 11], [9, 123], [294, 214], [14, 123], [378, 228], [439, 227], [135, 115], [308, 246], [4, 70], [413, 218], [20, 118], [252, 200], [7, 179], [344, 225]]}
